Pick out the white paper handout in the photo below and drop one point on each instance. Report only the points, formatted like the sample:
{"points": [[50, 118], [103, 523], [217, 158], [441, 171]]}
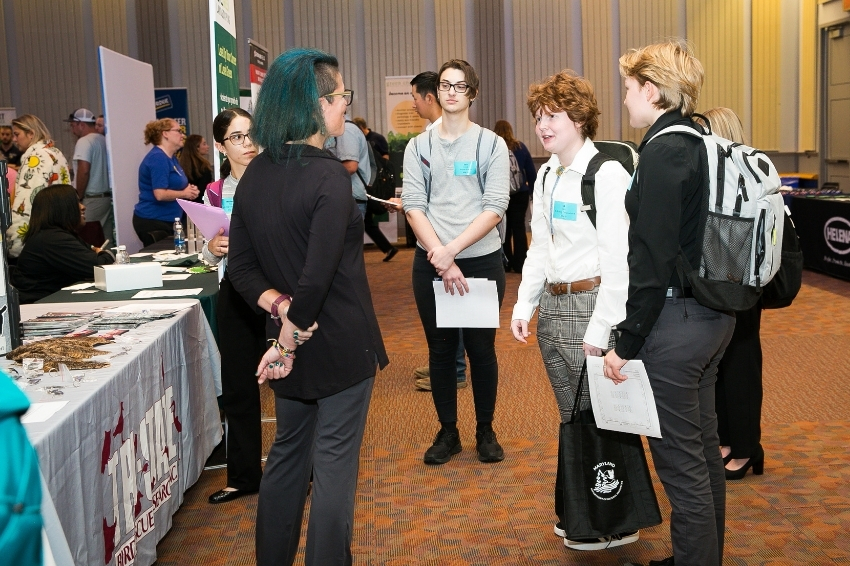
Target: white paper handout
{"points": [[625, 407], [40, 412], [166, 293], [479, 308]]}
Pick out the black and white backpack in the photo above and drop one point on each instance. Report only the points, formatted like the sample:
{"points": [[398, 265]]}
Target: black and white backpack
{"points": [[741, 223]]}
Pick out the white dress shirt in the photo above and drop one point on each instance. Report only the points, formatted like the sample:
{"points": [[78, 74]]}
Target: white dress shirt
{"points": [[564, 250]]}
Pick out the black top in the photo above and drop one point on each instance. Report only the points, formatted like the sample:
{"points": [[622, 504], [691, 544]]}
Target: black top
{"points": [[378, 142], [663, 205], [11, 155], [51, 259], [201, 182], [296, 228]]}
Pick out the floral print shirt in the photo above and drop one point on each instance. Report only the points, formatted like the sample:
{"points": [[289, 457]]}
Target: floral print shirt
{"points": [[42, 165]]}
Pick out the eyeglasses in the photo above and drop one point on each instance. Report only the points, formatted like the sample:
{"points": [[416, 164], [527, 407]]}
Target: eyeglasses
{"points": [[175, 130], [347, 96], [460, 88], [238, 139]]}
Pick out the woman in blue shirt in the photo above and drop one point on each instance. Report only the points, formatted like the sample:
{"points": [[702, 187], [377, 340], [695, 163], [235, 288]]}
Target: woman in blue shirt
{"points": [[161, 182]]}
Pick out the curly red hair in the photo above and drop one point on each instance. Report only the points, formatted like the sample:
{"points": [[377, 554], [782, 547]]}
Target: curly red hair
{"points": [[570, 93]]}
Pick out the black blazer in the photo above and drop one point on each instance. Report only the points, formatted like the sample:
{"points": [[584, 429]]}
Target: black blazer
{"points": [[296, 228], [52, 259]]}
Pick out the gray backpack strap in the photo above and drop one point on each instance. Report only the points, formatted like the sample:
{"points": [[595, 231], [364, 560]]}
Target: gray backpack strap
{"points": [[482, 171], [424, 154]]}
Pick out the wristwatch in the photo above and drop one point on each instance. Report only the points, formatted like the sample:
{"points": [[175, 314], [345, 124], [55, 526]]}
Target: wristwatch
{"points": [[274, 314]]}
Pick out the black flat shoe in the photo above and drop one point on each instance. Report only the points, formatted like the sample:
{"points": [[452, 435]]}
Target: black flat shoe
{"points": [[390, 254], [755, 462], [223, 495]]}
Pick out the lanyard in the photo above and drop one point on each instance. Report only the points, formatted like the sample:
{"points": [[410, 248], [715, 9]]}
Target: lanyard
{"points": [[559, 171]]}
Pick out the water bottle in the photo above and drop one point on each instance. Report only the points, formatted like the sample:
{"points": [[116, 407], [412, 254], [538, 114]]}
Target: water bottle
{"points": [[122, 256], [179, 237]]}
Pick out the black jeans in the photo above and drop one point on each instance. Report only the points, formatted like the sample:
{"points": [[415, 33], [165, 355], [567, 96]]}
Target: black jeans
{"points": [[374, 232], [516, 240], [480, 343], [242, 342], [149, 230]]}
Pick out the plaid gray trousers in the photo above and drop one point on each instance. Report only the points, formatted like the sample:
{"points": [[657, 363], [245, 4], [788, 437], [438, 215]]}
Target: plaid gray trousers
{"points": [[561, 323]]}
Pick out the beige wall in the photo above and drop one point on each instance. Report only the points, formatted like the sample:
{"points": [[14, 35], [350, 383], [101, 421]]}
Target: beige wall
{"points": [[48, 61]]}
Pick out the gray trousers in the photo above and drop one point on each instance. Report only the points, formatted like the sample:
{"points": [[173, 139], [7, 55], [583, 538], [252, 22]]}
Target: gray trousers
{"points": [[561, 323], [100, 209], [681, 355], [322, 436]]}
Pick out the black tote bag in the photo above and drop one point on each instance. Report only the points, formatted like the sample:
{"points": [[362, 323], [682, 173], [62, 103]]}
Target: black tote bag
{"points": [[606, 482]]}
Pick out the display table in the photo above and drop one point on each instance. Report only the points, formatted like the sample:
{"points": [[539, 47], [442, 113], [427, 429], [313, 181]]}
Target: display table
{"points": [[207, 297], [823, 225], [117, 458]]}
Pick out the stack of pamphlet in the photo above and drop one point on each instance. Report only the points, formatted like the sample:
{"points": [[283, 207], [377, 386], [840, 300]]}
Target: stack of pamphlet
{"points": [[55, 324]]}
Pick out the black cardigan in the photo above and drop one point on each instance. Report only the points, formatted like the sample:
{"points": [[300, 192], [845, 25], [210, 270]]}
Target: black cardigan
{"points": [[296, 228], [51, 259]]}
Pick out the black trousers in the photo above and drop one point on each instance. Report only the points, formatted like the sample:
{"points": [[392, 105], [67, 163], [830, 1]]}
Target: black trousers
{"points": [[516, 240], [374, 232], [739, 387], [242, 338], [480, 343], [144, 227]]}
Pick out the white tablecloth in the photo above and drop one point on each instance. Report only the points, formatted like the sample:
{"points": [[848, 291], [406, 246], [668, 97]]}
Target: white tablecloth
{"points": [[118, 457]]}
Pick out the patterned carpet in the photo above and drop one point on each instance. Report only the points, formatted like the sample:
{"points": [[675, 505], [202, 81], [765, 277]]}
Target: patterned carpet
{"points": [[469, 513]]}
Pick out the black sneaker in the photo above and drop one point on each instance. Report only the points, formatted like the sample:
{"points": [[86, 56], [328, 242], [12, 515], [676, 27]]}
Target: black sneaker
{"points": [[446, 444], [488, 447]]}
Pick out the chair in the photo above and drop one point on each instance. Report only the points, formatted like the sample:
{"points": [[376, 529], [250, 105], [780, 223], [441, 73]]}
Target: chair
{"points": [[153, 237]]}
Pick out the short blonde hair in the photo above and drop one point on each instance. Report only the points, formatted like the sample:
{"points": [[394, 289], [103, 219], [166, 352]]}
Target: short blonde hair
{"points": [[725, 123], [155, 128], [670, 66], [33, 125]]}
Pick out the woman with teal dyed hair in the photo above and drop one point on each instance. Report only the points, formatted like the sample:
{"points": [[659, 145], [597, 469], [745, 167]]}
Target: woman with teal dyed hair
{"points": [[296, 251]]}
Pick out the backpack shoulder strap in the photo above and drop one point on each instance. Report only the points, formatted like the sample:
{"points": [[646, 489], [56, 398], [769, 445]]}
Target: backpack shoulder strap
{"points": [[215, 190], [588, 185], [677, 129], [485, 137], [423, 152]]}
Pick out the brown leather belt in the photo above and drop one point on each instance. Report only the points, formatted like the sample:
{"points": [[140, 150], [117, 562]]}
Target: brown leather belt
{"points": [[574, 286]]}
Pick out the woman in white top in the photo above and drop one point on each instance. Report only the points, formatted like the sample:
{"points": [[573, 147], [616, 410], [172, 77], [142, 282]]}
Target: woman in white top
{"points": [[575, 273]]}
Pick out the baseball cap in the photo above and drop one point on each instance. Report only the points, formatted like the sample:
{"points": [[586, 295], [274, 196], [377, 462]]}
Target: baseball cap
{"points": [[81, 115]]}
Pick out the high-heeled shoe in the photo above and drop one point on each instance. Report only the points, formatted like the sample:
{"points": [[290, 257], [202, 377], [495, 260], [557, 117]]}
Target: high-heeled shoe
{"points": [[756, 462]]}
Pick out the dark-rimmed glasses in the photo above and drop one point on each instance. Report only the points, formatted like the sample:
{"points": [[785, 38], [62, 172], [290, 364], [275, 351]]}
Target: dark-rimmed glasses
{"points": [[347, 95], [446, 86], [238, 139]]}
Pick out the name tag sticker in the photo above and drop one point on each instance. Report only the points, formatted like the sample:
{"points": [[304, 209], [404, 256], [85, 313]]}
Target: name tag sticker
{"points": [[466, 168], [565, 211], [227, 205]]}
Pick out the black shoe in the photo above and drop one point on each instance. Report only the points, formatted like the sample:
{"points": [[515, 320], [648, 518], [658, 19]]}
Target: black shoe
{"points": [[756, 462], [446, 444], [488, 447], [223, 496], [666, 562], [391, 254]]}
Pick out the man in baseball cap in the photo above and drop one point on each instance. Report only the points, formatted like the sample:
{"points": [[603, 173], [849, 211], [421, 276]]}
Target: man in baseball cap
{"points": [[82, 115], [90, 166]]}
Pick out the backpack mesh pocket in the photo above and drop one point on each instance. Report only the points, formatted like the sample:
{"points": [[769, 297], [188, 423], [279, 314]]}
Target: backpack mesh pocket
{"points": [[727, 248]]}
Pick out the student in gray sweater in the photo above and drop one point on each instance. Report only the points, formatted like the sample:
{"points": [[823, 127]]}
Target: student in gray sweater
{"points": [[456, 190]]}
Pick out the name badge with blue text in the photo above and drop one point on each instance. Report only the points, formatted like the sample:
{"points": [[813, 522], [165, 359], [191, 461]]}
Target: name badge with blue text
{"points": [[227, 205], [565, 211], [466, 168]]}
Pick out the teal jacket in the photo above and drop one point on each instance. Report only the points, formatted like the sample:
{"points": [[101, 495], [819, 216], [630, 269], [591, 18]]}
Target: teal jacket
{"points": [[20, 485]]}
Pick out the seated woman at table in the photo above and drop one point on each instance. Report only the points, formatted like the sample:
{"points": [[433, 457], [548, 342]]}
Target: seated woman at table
{"points": [[161, 182], [296, 251], [54, 256], [241, 330]]}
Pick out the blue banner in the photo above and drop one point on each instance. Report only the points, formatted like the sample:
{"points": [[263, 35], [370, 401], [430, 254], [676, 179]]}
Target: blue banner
{"points": [[173, 103]]}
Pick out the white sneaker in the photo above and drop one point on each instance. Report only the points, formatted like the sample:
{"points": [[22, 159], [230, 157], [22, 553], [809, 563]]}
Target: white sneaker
{"points": [[603, 542], [559, 530]]}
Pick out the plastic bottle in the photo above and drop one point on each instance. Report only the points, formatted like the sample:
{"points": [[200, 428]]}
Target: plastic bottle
{"points": [[122, 256], [179, 237]]}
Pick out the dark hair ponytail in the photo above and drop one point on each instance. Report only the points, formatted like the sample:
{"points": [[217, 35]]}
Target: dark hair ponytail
{"points": [[225, 168]]}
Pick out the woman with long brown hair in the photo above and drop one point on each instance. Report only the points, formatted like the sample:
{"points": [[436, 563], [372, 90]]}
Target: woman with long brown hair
{"points": [[193, 160], [516, 241]]}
